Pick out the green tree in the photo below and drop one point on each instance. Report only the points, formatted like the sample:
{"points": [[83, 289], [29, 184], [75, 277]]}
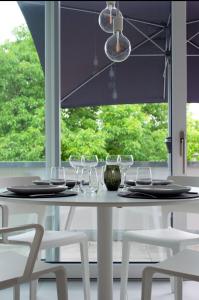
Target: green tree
{"points": [[21, 100], [192, 138], [132, 129]]}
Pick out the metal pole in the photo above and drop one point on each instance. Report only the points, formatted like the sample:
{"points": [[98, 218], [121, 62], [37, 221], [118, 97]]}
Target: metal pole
{"points": [[87, 81], [168, 88], [52, 95], [146, 40], [179, 94], [193, 44], [143, 34], [90, 11], [169, 96], [179, 87]]}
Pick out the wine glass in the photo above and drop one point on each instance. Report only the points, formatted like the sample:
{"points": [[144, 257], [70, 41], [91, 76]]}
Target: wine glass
{"points": [[112, 159], [89, 183], [75, 162], [125, 162], [144, 176], [89, 180], [102, 184], [89, 161], [57, 176]]}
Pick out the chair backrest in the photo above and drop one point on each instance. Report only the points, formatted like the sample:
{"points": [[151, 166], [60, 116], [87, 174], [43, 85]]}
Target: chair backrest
{"points": [[20, 268], [22, 209], [187, 207]]}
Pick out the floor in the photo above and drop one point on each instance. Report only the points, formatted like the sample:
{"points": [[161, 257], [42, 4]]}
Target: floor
{"points": [[71, 253], [160, 291], [140, 253]]}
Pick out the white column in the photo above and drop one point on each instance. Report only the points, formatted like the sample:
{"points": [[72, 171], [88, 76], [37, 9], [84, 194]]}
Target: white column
{"points": [[52, 83], [179, 86], [52, 100], [104, 253]]}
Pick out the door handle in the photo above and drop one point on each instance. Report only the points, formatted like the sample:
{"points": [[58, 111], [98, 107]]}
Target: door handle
{"points": [[182, 150]]}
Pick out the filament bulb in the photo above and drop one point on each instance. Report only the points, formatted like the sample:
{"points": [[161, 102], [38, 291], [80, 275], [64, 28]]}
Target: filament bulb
{"points": [[117, 47], [107, 16]]}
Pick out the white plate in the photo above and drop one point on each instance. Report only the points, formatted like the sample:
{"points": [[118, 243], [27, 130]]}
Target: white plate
{"points": [[36, 189], [171, 189]]}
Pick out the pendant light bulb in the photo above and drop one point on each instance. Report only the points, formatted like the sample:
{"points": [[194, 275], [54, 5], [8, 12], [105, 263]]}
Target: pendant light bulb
{"points": [[107, 16], [117, 47]]}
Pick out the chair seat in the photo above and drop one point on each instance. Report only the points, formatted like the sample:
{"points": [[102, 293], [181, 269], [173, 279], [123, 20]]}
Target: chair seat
{"points": [[51, 238], [13, 264], [162, 237], [184, 264]]}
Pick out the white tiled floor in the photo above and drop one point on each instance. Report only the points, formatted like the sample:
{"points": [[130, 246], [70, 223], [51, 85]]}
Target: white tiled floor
{"points": [[139, 253], [161, 291]]}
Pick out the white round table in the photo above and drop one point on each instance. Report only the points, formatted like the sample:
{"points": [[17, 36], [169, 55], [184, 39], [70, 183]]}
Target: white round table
{"points": [[104, 202]]}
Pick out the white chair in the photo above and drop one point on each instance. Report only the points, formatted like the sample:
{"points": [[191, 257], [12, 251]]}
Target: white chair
{"points": [[184, 264], [51, 239], [168, 237], [17, 269]]}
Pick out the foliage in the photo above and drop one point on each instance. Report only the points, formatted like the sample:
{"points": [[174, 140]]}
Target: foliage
{"points": [[21, 100], [123, 129], [130, 129], [192, 138]]}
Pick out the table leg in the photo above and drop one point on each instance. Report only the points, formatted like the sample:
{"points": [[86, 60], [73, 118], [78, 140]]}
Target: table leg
{"points": [[104, 253], [70, 218]]}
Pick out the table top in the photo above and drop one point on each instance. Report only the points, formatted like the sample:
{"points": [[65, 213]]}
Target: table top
{"points": [[101, 199]]}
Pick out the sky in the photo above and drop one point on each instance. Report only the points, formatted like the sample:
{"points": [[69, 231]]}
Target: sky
{"points": [[10, 17]]}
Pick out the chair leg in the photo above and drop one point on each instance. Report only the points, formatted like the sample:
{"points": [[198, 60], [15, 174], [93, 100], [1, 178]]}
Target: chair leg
{"points": [[85, 269], [34, 283], [16, 292], [70, 218], [62, 289], [124, 269], [177, 282], [172, 282], [33, 289], [147, 283]]}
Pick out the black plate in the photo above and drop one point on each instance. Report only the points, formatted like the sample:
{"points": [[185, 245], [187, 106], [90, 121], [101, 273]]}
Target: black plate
{"points": [[69, 183], [165, 190], [36, 189], [154, 182]]}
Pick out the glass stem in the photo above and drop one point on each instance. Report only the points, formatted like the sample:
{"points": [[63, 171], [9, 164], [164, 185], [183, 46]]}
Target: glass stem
{"points": [[89, 176], [77, 175], [124, 177]]}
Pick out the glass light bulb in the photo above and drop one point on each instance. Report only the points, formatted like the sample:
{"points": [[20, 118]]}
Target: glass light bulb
{"points": [[117, 47], [106, 17]]}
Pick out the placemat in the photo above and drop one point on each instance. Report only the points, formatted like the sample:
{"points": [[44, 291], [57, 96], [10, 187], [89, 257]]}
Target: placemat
{"points": [[128, 194], [57, 195]]}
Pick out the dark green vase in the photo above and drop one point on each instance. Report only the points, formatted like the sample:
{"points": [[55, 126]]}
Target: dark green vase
{"points": [[112, 177]]}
